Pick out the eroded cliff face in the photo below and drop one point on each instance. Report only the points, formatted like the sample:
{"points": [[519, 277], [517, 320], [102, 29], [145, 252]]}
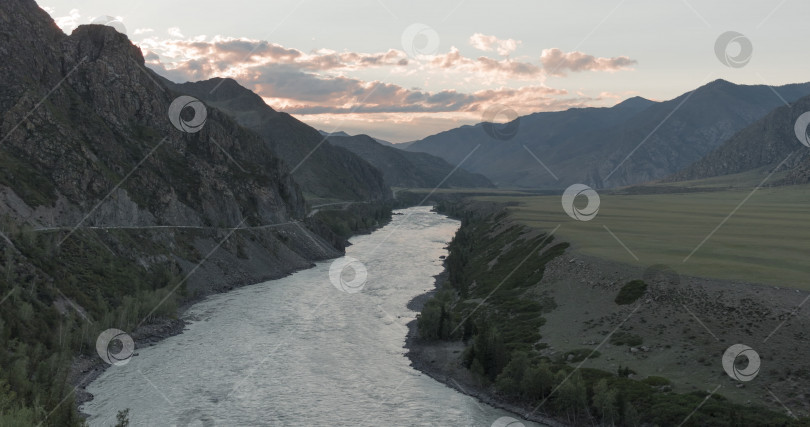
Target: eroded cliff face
{"points": [[88, 147]]}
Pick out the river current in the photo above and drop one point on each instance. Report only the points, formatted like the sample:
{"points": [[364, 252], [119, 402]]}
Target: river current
{"points": [[301, 350]]}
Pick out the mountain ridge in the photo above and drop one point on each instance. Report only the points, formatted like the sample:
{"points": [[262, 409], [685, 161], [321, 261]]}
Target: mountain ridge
{"points": [[402, 168], [633, 142], [326, 172]]}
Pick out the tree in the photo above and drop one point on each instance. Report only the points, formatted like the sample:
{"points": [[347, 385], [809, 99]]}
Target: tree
{"points": [[510, 379], [631, 416], [538, 381], [122, 418], [604, 400], [572, 395]]}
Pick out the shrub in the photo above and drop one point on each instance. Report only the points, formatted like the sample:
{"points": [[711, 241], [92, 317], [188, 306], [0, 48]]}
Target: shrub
{"points": [[626, 338], [630, 292]]}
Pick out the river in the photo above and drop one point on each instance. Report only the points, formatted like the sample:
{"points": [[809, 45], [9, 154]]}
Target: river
{"points": [[300, 351]]}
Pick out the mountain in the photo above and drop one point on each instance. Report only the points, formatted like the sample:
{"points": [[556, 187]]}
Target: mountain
{"points": [[762, 145], [325, 172], [338, 133], [117, 205], [633, 142], [407, 169], [342, 133]]}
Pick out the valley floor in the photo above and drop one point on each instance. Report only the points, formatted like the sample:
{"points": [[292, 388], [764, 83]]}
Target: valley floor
{"points": [[679, 330]]}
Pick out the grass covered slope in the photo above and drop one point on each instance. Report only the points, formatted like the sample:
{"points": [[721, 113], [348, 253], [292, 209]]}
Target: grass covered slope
{"points": [[764, 241], [513, 324]]}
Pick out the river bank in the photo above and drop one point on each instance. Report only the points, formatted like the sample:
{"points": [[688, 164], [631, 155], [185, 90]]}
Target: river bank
{"points": [[300, 351], [669, 340], [436, 360], [324, 243]]}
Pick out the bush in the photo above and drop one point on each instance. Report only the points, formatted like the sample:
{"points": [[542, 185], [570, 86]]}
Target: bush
{"points": [[626, 338], [656, 381], [630, 292]]}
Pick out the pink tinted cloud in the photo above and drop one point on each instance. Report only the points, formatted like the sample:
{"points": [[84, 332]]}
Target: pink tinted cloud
{"points": [[455, 61], [556, 62], [504, 47], [319, 83]]}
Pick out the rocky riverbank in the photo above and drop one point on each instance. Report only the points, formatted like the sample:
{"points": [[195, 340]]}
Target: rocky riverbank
{"points": [[441, 361], [665, 346], [225, 273]]}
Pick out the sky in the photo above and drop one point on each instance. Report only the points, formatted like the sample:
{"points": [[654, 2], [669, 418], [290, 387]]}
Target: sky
{"points": [[402, 70]]}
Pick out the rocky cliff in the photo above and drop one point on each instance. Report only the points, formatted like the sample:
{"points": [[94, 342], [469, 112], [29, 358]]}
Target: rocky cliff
{"points": [[326, 173], [120, 200]]}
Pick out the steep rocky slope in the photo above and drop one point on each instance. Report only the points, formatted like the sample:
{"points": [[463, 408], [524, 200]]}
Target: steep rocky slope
{"points": [[326, 173], [764, 144], [116, 208]]}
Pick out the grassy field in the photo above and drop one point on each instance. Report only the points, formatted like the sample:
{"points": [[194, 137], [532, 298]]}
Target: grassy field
{"points": [[767, 240]]}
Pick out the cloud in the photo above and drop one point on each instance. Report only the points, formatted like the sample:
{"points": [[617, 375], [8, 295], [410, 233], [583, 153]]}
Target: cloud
{"points": [[556, 62], [493, 44], [140, 31], [175, 32], [228, 56], [66, 23], [322, 85], [505, 68]]}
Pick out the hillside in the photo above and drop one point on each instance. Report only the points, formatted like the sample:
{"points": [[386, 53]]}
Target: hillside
{"points": [[633, 142], [325, 172], [764, 144], [409, 169], [115, 212]]}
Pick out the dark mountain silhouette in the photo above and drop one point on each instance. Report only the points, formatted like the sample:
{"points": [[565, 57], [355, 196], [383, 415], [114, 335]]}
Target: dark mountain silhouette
{"points": [[408, 169], [325, 172], [762, 145], [633, 142]]}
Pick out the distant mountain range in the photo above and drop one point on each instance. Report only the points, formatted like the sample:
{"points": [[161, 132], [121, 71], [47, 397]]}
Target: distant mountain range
{"points": [[342, 133], [407, 169], [633, 142]]}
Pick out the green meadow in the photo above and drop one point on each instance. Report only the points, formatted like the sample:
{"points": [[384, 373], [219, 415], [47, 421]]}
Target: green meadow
{"points": [[767, 240]]}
